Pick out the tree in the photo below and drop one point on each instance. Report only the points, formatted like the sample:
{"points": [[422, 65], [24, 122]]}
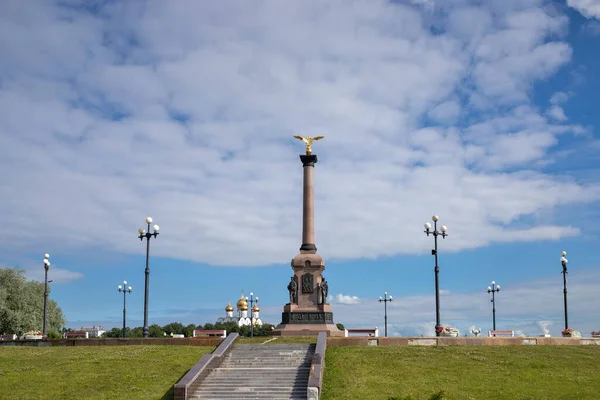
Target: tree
{"points": [[22, 304], [136, 332], [228, 326], [155, 331], [189, 330], [174, 328], [340, 326], [114, 333], [263, 330]]}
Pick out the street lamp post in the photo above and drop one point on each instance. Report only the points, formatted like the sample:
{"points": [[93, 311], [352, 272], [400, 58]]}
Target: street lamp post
{"points": [[564, 262], [253, 300], [46, 268], [434, 252], [493, 290], [125, 289], [147, 235], [385, 300]]}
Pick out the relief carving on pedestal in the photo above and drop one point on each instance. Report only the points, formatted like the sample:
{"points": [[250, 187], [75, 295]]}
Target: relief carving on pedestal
{"points": [[307, 283]]}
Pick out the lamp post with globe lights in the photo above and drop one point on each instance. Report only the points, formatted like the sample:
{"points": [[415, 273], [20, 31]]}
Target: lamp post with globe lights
{"points": [[385, 300], [46, 268], [253, 300], [493, 289], [125, 289], [564, 262], [146, 234], [434, 252]]}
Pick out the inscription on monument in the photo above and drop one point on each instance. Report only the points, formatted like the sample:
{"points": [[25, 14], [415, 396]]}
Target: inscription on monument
{"points": [[307, 283], [307, 317]]}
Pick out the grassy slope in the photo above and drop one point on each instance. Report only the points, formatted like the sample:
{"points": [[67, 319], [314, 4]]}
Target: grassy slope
{"points": [[132, 372], [487, 372]]}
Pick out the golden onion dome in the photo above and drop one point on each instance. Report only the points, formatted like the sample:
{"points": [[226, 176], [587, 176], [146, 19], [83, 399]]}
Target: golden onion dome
{"points": [[229, 307], [255, 308], [242, 304]]}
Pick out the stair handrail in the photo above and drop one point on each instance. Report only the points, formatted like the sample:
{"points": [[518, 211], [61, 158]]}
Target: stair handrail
{"points": [[317, 368]]}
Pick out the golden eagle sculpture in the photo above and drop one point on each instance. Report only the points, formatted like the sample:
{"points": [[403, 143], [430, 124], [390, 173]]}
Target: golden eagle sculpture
{"points": [[308, 140]]}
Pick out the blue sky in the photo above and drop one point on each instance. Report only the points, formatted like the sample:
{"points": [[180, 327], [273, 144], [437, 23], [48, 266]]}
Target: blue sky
{"points": [[484, 113]]}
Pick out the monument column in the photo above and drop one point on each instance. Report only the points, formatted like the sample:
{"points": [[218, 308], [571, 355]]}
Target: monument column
{"points": [[308, 204], [307, 313]]}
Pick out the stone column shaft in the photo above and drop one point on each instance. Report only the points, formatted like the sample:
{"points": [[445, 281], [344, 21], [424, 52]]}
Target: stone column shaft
{"points": [[308, 204]]}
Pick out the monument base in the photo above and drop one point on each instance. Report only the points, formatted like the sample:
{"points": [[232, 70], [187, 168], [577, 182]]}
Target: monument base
{"points": [[306, 321], [306, 330]]}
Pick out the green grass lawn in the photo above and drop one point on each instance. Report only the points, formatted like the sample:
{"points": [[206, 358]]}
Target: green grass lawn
{"points": [[463, 373], [98, 372]]}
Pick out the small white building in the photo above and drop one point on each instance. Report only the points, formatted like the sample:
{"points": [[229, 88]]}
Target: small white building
{"points": [[94, 331]]}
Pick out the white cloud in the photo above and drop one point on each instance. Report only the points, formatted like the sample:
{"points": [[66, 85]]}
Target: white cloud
{"points": [[543, 325], [557, 113], [346, 299], [446, 112], [35, 271], [187, 115], [428, 5], [559, 98], [57, 275], [588, 8], [591, 28]]}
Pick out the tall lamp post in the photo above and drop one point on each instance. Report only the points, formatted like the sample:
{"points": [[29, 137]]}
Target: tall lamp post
{"points": [[564, 262], [493, 290], [434, 252], [146, 234], [46, 268], [253, 300], [385, 300], [125, 289]]}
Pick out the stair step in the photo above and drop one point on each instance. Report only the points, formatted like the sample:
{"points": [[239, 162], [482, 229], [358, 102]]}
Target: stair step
{"points": [[255, 371]]}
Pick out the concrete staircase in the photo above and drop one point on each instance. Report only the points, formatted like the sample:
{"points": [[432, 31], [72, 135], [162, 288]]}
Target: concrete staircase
{"points": [[259, 371]]}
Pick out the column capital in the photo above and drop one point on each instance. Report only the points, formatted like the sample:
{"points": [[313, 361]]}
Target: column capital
{"points": [[308, 247], [308, 160]]}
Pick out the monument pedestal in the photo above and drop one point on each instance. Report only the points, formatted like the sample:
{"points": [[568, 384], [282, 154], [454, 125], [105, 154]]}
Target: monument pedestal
{"points": [[308, 312]]}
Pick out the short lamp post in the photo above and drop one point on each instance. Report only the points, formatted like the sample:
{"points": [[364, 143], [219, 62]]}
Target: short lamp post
{"points": [[385, 300], [564, 262], [46, 268], [251, 301], [146, 234], [125, 289], [434, 252], [493, 289]]}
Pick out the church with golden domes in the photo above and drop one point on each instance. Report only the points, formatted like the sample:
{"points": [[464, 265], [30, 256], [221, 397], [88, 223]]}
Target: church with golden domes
{"points": [[242, 318]]}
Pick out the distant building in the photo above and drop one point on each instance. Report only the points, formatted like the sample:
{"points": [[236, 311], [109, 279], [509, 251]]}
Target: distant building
{"points": [[93, 331], [242, 318]]}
